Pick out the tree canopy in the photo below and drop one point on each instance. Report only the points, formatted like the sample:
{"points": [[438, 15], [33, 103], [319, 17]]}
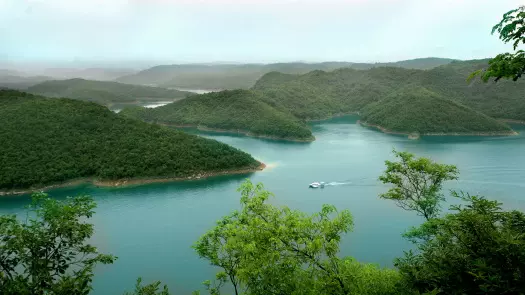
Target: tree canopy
{"points": [[47, 141], [507, 65], [263, 249], [49, 253], [417, 183]]}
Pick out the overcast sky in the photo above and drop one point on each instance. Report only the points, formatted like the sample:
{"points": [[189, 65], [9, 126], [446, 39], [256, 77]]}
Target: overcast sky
{"points": [[248, 30]]}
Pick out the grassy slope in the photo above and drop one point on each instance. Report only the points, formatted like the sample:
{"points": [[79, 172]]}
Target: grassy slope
{"points": [[244, 76], [416, 109], [48, 140], [102, 92], [236, 110]]}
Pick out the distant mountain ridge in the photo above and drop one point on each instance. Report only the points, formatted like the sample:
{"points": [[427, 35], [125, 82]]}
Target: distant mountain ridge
{"points": [[103, 92], [244, 76]]}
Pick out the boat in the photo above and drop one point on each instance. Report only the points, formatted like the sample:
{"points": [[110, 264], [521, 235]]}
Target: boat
{"points": [[317, 185]]}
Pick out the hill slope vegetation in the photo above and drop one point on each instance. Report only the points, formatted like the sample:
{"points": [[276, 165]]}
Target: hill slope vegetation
{"points": [[349, 90], [418, 110], [46, 141], [241, 111], [244, 76], [106, 93]]}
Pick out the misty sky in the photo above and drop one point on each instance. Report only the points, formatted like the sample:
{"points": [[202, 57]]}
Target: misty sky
{"points": [[248, 30]]}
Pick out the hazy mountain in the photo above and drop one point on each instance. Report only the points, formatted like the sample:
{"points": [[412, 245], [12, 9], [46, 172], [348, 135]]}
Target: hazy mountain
{"points": [[103, 92], [232, 76]]}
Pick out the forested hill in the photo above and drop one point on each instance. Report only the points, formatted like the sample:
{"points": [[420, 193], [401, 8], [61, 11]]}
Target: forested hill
{"points": [[244, 76], [418, 110], [47, 140], [349, 90], [232, 110], [103, 92]]}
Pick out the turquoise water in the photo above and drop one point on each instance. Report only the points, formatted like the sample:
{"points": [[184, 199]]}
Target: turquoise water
{"points": [[151, 228]]}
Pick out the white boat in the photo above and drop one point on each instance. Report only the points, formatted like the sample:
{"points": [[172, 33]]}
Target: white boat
{"points": [[317, 185]]}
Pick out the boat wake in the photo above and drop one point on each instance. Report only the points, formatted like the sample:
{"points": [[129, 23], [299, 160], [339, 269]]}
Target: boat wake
{"points": [[336, 183]]}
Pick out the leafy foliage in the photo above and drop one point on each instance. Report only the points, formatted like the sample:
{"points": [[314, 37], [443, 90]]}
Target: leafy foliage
{"points": [[478, 249], [45, 141], [263, 249], [507, 65], [49, 253], [417, 183], [411, 109], [150, 289], [103, 92], [236, 111]]}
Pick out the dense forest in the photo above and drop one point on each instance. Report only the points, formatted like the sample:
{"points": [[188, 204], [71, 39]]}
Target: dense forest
{"points": [[46, 141], [244, 76], [435, 101], [407, 111], [232, 110], [350, 90], [103, 92]]}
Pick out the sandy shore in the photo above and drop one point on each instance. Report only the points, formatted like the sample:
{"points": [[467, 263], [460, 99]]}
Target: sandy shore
{"points": [[384, 130], [130, 181]]}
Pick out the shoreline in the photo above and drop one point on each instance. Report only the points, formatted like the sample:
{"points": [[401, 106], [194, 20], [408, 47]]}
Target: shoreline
{"points": [[126, 182], [409, 134], [238, 131], [338, 115], [512, 121]]}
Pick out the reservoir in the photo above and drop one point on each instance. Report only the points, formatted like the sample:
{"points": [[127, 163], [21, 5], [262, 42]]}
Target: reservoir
{"points": [[151, 228]]}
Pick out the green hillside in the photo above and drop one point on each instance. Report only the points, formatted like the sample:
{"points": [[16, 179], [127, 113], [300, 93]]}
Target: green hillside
{"points": [[351, 90], [106, 93], [504, 99], [244, 76], [418, 110], [46, 141], [236, 110]]}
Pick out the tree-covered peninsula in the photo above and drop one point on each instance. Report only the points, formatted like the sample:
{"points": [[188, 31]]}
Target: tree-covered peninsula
{"points": [[416, 110], [240, 111], [104, 92], [47, 141]]}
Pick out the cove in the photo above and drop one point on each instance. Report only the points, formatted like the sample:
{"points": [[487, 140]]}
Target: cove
{"points": [[151, 228]]}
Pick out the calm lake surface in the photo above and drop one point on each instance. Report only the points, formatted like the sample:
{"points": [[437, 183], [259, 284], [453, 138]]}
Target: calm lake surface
{"points": [[151, 228]]}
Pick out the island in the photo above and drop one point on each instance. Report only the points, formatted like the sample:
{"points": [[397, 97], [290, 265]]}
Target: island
{"points": [[416, 111], [50, 142], [239, 111], [107, 93]]}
